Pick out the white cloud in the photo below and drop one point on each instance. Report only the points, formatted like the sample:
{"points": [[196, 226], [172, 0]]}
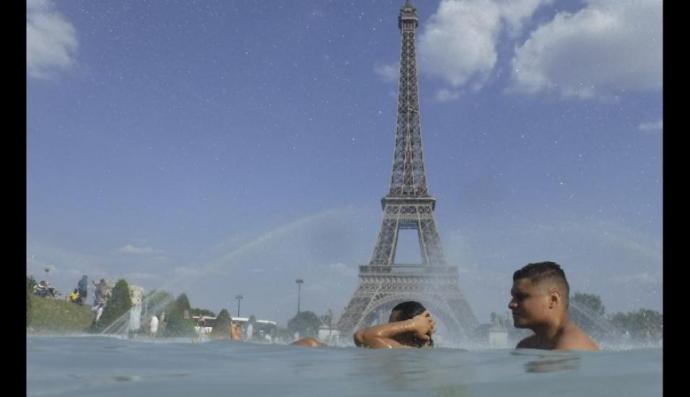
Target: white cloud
{"points": [[51, 41], [652, 126], [607, 46], [458, 43], [130, 249], [445, 95], [387, 72]]}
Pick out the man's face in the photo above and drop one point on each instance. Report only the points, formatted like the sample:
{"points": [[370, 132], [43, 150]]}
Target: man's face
{"points": [[529, 303]]}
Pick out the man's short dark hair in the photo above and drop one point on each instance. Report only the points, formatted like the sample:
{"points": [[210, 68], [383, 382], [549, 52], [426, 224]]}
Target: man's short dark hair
{"points": [[536, 272]]}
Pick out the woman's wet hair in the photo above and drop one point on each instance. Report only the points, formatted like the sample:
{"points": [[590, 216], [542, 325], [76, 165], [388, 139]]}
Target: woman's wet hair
{"points": [[405, 311]]}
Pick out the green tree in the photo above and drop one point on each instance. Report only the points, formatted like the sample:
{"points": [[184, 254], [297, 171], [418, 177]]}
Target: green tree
{"points": [[222, 326], [182, 305], [178, 320], [118, 304], [177, 325], [642, 325], [202, 312], [306, 323]]}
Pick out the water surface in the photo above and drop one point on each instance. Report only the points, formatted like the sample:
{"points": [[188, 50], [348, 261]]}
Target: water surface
{"points": [[110, 366]]}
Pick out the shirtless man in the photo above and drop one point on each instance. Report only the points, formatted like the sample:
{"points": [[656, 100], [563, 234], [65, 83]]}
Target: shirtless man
{"points": [[409, 325], [540, 302]]}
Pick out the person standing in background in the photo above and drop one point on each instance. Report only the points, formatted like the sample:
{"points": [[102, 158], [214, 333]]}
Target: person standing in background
{"points": [[82, 287]]}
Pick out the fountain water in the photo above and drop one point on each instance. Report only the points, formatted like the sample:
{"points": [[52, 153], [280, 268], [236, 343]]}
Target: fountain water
{"points": [[602, 329], [121, 325]]}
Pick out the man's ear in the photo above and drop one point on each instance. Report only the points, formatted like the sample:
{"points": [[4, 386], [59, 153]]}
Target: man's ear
{"points": [[554, 298]]}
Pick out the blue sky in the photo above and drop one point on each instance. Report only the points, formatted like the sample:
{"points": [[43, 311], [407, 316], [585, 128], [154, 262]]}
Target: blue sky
{"points": [[219, 148]]}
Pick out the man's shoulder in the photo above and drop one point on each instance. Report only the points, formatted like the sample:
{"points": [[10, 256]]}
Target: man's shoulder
{"points": [[527, 343], [576, 339]]}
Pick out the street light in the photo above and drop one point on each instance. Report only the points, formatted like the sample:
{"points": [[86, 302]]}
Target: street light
{"points": [[299, 282], [239, 298]]}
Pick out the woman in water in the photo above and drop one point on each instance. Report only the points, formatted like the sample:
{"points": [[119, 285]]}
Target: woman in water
{"points": [[409, 325]]}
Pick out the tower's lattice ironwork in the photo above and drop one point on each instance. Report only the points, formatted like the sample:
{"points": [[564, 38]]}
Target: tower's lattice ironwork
{"points": [[408, 205]]}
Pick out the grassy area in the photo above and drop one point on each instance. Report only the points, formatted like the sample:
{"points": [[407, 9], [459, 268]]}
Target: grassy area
{"points": [[58, 315]]}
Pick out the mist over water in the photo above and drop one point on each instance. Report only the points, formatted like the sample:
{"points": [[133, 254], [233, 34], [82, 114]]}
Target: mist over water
{"points": [[325, 249]]}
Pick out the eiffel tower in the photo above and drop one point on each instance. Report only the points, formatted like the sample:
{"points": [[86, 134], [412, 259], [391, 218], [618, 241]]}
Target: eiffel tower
{"points": [[408, 205]]}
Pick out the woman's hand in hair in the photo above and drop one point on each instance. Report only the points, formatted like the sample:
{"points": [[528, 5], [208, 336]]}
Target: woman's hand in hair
{"points": [[423, 325]]}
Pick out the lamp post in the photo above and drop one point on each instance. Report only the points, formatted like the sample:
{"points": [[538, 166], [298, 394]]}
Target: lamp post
{"points": [[299, 282], [239, 298]]}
